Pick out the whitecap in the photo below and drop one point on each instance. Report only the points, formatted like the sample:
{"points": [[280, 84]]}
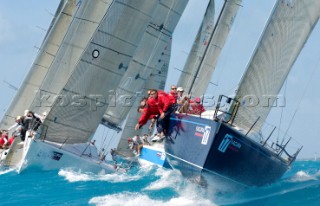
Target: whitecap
{"points": [[168, 179], [5, 171], [137, 199], [78, 176], [302, 176]]}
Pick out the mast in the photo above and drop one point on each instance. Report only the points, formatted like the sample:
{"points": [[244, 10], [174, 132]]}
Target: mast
{"points": [[206, 48], [203, 67], [198, 48]]}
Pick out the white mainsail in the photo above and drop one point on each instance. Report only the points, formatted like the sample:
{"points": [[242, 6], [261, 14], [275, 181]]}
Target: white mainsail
{"points": [[84, 23], [26, 94], [287, 31], [147, 58], [199, 69], [84, 99]]}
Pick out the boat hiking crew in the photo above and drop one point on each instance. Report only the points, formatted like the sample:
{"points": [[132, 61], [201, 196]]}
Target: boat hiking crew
{"points": [[30, 121], [160, 104], [152, 117], [173, 95], [35, 121], [196, 107], [5, 142], [136, 144], [21, 126]]}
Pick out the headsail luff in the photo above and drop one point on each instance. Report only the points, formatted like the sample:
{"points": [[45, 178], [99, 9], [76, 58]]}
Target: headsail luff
{"points": [[99, 71], [205, 64], [85, 22], [157, 80], [287, 31], [26, 93], [199, 46], [147, 58]]}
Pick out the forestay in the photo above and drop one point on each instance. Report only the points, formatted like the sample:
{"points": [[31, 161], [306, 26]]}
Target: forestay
{"points": [[287, 31], [26, 93], [84, 99], [85, 22]]}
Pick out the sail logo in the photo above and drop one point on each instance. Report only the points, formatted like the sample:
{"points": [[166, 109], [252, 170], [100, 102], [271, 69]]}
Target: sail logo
{"points": [[203, 132], [226, 142]]}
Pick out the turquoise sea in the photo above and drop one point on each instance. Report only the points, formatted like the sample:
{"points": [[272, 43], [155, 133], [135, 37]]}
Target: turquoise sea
{"points": [[152, 186]]}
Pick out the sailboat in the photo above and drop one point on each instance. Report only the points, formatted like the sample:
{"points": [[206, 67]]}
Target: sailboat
{"points": [[138, 76], [227, 145], [81, 75]]}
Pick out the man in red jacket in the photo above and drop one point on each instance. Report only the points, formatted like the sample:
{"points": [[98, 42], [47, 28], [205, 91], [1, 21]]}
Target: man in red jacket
{"points": [[159, 104], [173, 95]]}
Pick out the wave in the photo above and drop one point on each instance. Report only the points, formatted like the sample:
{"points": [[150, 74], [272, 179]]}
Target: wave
{"points": [[284, 191], [134, 199], [78, 176], [302, 176], [5, 170], [168, 179]]}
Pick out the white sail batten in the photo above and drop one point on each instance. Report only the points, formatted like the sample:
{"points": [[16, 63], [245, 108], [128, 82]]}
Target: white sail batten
{"points": [[49, 47], [85, 97], [148, 57], [215, 45], [85, 22], [287, 31]]}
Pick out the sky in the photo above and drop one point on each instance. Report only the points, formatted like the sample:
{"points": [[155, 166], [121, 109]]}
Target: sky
{"points": [[23, 25]]}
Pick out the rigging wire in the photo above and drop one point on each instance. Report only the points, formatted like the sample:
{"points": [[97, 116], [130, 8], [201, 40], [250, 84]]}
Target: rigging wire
{"points": [[105, 137], [107, 145], [303, 94], [281, 115], [223, 62]]}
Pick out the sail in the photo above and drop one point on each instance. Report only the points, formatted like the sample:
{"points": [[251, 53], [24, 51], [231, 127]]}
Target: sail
{"points": [[149, 56], [156, 80], [200, 68], [82, 102], [199, 46], [287, 31], [39, 68], [85, 22]]}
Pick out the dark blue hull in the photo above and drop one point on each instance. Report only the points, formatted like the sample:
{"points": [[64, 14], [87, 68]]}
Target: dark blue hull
{"points": [[205, 150]]}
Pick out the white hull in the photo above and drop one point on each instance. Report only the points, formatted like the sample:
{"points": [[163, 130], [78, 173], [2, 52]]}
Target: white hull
{"points": [[46, 156], [154, 154]]}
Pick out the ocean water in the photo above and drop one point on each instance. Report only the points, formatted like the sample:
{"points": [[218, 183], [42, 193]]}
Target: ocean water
{"points": [[151, 186]]}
